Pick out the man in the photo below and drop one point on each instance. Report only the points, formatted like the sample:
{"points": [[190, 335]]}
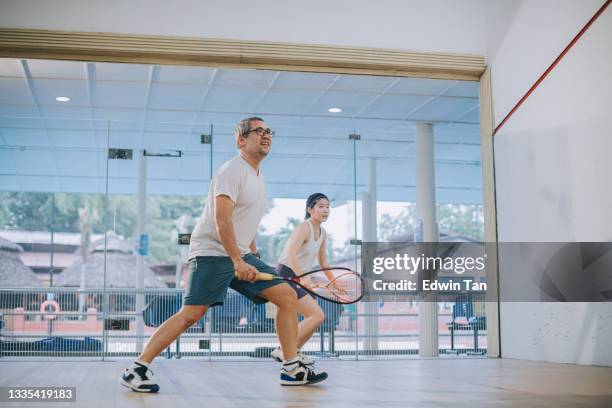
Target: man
{"points": [[222, 255]]}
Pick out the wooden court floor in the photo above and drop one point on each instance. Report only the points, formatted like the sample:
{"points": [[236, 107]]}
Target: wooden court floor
{"points": [[480, 382]]}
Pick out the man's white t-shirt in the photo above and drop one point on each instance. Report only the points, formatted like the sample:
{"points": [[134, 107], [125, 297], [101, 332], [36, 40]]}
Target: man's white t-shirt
{"points": [[247, 189]]}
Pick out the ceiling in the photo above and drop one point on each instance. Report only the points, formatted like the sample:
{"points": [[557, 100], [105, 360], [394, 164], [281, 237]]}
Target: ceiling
{"points": [[46, 145]]}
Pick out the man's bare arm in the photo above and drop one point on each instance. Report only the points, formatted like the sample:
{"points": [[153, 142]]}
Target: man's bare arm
{"points": [[224, 207]]}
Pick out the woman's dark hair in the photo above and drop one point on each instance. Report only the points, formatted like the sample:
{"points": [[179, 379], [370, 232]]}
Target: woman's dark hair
{"points": [[312, 200]]}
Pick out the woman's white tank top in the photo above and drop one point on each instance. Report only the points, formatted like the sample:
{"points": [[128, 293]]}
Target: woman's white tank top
{"points": [[307, 252]]}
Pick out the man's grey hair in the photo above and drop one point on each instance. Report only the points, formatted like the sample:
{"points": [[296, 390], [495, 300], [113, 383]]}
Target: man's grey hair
{"points": [[243, 127]]}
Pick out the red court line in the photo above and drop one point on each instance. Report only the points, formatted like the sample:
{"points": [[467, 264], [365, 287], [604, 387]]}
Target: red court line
{"points": [[552, 66]]}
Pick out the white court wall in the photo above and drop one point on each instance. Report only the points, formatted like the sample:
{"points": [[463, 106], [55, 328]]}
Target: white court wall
{"points": [[553, 166]]}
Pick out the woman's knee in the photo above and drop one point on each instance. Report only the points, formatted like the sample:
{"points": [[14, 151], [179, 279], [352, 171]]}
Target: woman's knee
{"points": [[309, 308], [319, 316]]}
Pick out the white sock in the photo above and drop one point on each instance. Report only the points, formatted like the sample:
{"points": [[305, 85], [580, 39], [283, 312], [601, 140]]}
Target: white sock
{"points": [[294, 360], [136, 362]]}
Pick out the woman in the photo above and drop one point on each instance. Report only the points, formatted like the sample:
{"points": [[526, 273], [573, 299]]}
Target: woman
{"points": [[306, 243]]}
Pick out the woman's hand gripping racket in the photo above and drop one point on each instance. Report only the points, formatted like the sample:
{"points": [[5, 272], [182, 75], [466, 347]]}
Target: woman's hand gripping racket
{"points": [[345, 288]]}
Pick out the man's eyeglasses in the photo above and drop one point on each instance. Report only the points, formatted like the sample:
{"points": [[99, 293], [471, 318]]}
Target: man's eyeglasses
{"points": [[261, 131]]}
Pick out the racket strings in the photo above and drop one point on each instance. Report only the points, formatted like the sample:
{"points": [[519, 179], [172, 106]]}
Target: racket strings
{"points": [[346, 287]]}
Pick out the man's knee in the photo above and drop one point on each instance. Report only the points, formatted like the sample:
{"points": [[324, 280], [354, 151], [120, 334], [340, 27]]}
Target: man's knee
{"points": [[285, 298], [191, 314]]}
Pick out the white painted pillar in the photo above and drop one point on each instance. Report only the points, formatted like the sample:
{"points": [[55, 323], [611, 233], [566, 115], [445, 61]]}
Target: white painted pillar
{"points": [[140, 262], [426, 216]]}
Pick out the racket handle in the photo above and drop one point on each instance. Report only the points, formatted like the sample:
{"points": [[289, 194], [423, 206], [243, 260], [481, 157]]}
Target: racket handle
{"points": [[262, 276]]}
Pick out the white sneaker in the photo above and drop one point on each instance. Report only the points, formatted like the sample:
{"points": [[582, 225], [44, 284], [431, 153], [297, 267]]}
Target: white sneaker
{"points": [[137, 377], [295, 372], [277, 355]]}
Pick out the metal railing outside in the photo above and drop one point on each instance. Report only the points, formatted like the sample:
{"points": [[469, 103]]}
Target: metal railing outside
{"points": [[102, 323]]}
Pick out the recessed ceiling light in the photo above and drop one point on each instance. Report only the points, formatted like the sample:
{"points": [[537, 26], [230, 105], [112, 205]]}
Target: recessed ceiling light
{"points": [[62, 99], [335, 110]]}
